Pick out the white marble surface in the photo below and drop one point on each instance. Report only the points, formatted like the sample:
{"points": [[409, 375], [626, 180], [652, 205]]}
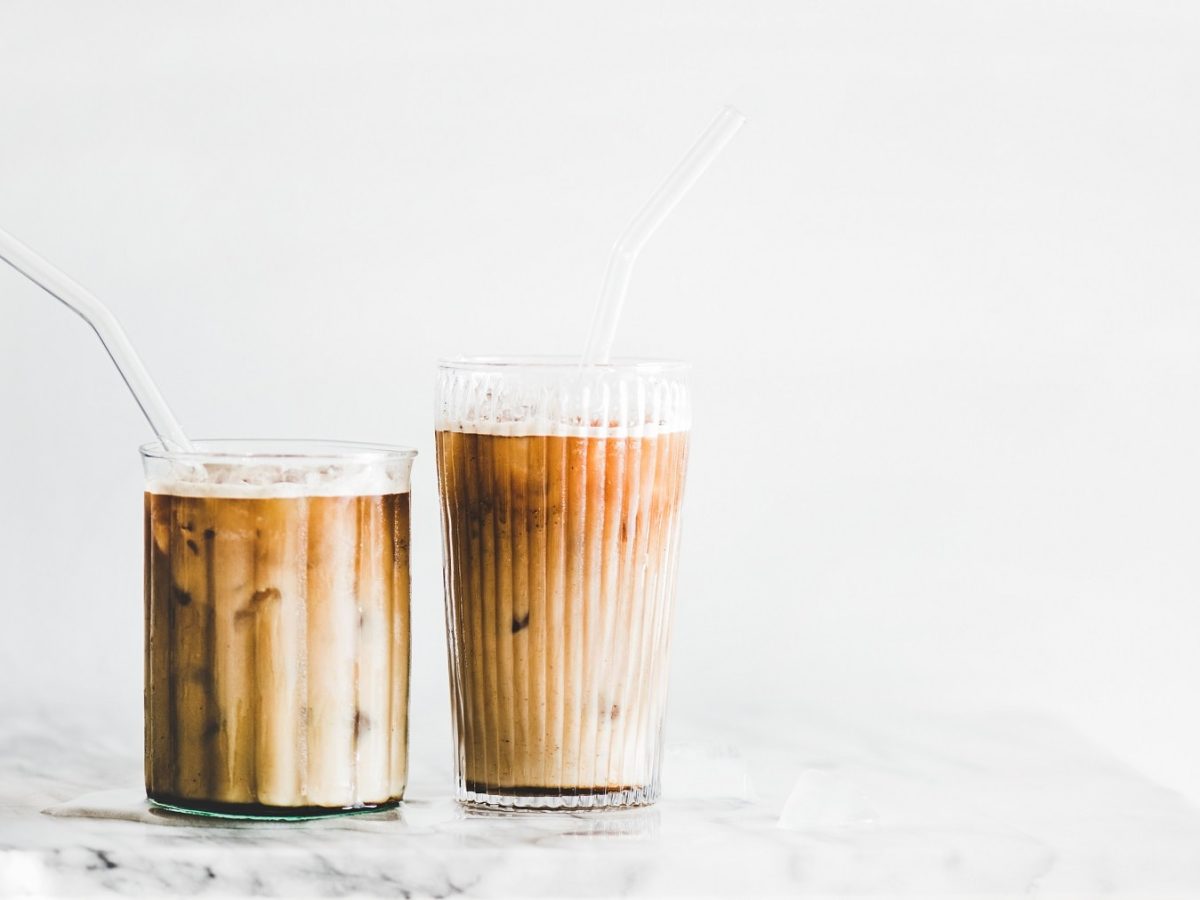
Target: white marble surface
{"points": [[902, 805]]}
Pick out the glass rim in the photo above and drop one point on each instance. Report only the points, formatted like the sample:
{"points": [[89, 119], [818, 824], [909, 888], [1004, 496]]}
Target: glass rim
{"points": [[270, 449], [563, 363]]}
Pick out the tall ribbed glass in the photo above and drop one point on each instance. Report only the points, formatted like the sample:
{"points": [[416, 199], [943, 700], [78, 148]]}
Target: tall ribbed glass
{"points": [[277, 627], [561, 489]]}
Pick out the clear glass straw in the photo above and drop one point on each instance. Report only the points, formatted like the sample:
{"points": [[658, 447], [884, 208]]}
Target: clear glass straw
{"points": [[106, 326], [625, 252]]}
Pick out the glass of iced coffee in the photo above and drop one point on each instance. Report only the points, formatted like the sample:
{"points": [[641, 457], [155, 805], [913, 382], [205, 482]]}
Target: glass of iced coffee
{"points": [[561, 487], [277, 627]]}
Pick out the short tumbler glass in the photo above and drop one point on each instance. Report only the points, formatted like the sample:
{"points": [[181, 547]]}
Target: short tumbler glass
{"points": [[561, 489], [277, 627]]}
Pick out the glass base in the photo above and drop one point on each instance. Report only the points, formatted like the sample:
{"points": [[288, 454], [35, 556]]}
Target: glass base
{"points": [[516, 799], [259, 813]]}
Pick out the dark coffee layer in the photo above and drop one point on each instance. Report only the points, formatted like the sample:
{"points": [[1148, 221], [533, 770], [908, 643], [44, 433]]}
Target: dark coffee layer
{"points": [[525, 790], [261, 811]]}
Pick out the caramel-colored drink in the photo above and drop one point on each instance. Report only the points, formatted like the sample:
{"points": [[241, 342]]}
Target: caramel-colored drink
{"points": [[277, 652], [560, 565]]}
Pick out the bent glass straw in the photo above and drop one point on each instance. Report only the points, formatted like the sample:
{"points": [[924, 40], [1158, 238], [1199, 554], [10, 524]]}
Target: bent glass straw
{"points": [[78, 298], [603, 329]]}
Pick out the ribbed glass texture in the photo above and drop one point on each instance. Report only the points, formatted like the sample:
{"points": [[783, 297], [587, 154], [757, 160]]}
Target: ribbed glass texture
{"points": [[561, 492], [277, 628]]}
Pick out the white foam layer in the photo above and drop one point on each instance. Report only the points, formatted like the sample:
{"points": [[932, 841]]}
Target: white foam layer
{"points": [[536, 428], [275, 480], [589, 404]]}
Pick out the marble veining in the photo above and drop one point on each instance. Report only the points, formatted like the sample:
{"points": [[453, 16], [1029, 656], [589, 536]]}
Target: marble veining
{"points": [[881, 805]]}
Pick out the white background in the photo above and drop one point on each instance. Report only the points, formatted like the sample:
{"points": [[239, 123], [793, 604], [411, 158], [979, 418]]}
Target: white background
{"points": [[940, 294]]}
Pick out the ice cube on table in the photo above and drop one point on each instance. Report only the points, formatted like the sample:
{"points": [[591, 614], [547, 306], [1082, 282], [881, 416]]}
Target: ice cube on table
{"points": [[823, 800]]}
